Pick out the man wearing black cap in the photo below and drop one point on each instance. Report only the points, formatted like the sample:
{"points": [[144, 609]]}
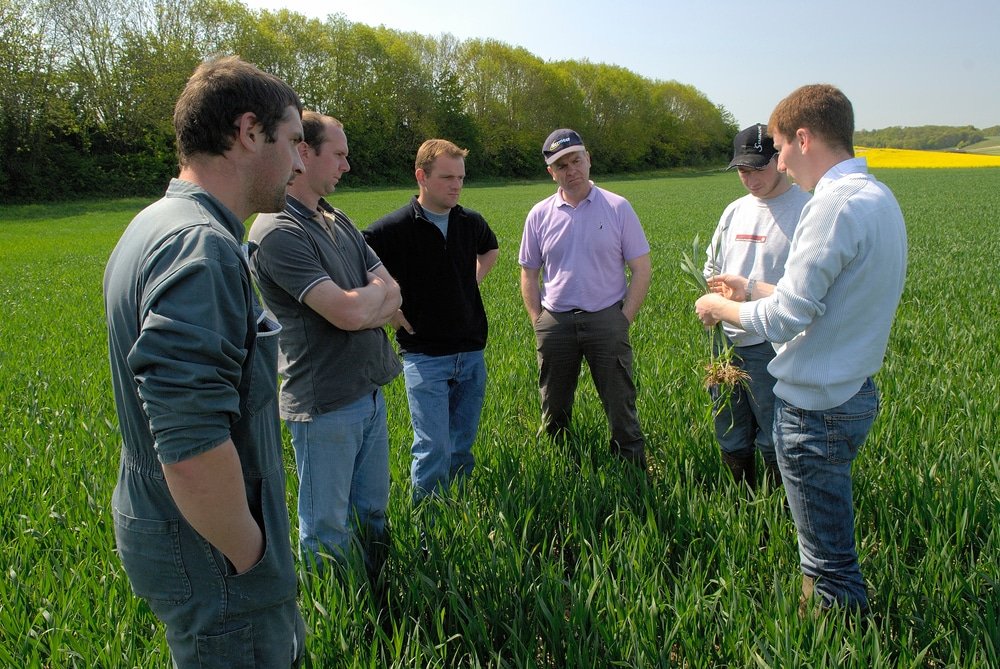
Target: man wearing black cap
{"points": [[752, 240], [574, 250]]}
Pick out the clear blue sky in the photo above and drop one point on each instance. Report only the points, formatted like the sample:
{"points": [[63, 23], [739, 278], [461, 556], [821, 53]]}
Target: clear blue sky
{"points": [[901, 62]]}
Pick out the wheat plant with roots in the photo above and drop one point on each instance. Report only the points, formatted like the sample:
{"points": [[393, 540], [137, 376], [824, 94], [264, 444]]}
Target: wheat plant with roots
{"points": [[719, 370]]}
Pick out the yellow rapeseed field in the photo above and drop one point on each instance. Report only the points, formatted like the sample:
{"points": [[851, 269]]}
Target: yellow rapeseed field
{"points": [[907, 158]]}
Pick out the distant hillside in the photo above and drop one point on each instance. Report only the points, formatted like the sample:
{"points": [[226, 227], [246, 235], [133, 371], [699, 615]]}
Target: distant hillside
{"points": [[989, 146], [925, 137]]}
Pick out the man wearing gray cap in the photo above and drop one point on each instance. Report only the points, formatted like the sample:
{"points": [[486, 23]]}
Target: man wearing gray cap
{"points": [[574, 250], [752, 240]]}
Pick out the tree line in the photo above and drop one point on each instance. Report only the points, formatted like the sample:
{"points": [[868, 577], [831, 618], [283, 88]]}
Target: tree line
{"points": [[924, 137], [87, 89]]}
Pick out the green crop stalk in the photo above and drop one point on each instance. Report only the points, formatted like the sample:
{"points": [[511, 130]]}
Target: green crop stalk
{"points": [[719, 370]]}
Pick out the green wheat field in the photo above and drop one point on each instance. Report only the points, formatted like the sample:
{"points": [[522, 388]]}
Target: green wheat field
{"points": [[556, 556]]}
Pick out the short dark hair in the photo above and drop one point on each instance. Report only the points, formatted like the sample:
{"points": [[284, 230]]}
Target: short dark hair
{"points": [[219, 91], [820, 108], [314, 128]]}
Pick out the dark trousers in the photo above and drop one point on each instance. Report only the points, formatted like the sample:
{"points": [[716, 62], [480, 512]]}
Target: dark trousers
{"points": [[564, 340]]}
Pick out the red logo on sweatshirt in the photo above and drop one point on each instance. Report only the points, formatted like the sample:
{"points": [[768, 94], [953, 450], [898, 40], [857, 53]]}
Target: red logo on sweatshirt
{"points": [[753, 239]]}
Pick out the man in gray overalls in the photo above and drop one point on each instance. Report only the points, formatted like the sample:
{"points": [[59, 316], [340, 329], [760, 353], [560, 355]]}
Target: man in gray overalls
{"points": [[201, 521]]}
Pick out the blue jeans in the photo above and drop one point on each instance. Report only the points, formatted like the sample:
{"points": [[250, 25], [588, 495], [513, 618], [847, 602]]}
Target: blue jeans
{"points": [[815, 450], [342, 458], [446, 395], [745, 421]]}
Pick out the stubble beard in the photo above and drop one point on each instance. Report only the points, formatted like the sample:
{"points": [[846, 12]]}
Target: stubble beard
{"points": [[268, 198]]}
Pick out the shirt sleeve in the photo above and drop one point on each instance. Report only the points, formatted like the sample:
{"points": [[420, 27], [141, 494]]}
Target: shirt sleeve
{"points": [[634, 242], [375, 237], [825, 242], [714, 253], [487, 239], [372, 261], [188, 357], [289, 260], [529, 255]]}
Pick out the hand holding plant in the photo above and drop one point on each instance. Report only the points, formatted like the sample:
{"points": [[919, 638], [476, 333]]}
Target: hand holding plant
{"points": [[720, 369]]}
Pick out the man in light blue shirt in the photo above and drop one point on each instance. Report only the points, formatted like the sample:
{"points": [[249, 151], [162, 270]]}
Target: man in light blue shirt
{"points": [[829, 316]]}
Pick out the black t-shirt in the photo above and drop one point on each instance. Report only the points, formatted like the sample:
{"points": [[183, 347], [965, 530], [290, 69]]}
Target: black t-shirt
{"points": [[436, 275]]}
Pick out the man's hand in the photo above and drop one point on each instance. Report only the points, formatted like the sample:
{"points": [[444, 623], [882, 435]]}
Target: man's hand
{"points": [[708, 308], [531, 293], [399, 321], [730, 286], [208, 489]]}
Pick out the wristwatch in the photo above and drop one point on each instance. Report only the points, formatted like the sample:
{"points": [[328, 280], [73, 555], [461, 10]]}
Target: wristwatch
{"points": [[750, 286]]}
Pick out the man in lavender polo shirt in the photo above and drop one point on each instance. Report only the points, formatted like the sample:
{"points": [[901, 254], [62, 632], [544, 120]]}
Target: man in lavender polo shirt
{"points": [[574, 251]]}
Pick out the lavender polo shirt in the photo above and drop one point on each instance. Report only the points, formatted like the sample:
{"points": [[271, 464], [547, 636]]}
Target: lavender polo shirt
{"points": [[582, 251]]}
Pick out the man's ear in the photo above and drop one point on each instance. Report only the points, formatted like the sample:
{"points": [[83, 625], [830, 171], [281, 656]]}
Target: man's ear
{"points": [[804, 138], [248, 130], [552, 172], [421, 176]]}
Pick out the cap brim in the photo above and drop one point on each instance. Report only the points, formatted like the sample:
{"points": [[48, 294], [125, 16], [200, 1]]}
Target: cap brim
{"points": [[752, 161], [559, 154]]}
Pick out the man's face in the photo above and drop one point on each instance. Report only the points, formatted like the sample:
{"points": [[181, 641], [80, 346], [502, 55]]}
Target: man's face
{"points": [[326, 163], [572, 171], [441, 184], [790, 159], [279, 163], [766, 182]]}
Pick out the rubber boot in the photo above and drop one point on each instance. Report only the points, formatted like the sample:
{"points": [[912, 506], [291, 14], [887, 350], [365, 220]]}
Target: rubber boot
{"points": [[744, 469]]}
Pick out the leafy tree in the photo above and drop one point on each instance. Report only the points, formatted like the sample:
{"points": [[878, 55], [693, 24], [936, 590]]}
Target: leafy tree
{"points": [[515, 99], [288, 45], [384, 100], [87, 89], [89, 36], [449, 118], [157, 60], [690, 129], [33, 103], [925, 137], [619, 114]]}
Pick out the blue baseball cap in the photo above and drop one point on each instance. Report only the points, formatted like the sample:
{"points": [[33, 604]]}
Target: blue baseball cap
{"points": [[559, 143]]}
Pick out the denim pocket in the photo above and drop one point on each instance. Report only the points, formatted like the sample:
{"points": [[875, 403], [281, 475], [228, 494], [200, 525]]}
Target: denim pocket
{"points": [[150, 551], [848, 425], [233, 650], [272, 580], [845, 433]]}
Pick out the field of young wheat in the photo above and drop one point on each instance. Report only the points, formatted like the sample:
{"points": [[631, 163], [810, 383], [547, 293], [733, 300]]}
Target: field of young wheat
{"points": [[555, 557]]}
